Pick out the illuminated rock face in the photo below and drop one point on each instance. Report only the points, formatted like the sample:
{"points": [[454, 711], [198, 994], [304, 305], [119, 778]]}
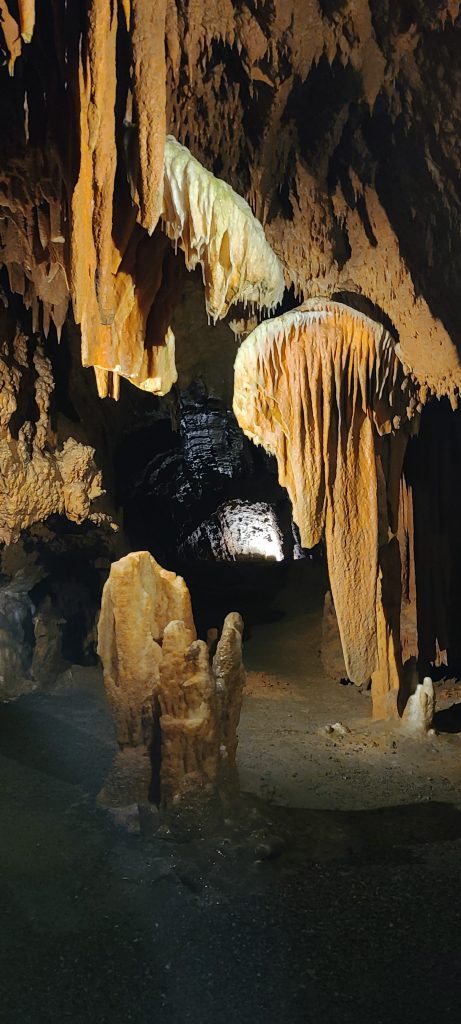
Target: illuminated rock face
{"points": [[239, 531], [318, 387], [166, 697], [217, 229]]}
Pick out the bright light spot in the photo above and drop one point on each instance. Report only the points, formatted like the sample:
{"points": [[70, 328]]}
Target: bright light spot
{"points": [[250, 531]]}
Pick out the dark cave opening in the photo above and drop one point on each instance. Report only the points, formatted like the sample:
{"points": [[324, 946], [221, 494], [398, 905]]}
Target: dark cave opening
{"points": [[207, 504], [429, 470]]}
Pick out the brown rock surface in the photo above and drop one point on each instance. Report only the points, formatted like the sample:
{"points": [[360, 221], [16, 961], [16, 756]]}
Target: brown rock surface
{"points": [[316, 387], [164, 694], [139, 600], [38, 478]]}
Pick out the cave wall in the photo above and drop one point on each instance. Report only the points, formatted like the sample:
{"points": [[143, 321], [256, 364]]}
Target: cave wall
{"points": [[337, 121]]}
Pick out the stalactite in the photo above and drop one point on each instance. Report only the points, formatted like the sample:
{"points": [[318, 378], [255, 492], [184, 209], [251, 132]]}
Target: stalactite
{"points": [[92, 197], [147, 27], [26, 18], [316, 387], [216, 229]]}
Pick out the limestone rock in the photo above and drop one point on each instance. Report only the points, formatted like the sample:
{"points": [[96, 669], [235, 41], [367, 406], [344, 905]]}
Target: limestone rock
{"points": [[47, 660], [139, 600], [331, 651], [37, 478], [217, 229], [229, 674], [180, 711], [419, 711], [16, 611], [239, 531], [316, 387], [189, 720], [200, 707]]}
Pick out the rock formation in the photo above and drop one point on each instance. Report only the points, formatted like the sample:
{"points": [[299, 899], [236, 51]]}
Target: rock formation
{"points": [[318, 387], [166, 698], [38, 477], [312, 146], [419, 710], [238, 531], [139, 600]]}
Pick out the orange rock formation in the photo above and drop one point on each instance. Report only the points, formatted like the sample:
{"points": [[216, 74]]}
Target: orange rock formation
{"points": [[317, 387], [159, 679]]}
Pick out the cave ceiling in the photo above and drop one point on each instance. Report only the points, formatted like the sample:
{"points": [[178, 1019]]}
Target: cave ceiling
{"points": [[337, 122]]}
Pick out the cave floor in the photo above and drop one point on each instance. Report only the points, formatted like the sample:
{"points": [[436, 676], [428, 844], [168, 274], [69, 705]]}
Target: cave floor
{"points": [[332, 895], [287, 753]]}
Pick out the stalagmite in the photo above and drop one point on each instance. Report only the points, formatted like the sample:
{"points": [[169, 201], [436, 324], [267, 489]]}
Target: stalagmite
{"points": [[316, 387], [229, 673], [139, 600], [189, 721], [419, 711], [168, 701]]}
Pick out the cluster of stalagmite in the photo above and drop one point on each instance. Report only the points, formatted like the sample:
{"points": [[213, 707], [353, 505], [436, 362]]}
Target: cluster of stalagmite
{"points": [[167, 699], [38, 477], [323, 390]]}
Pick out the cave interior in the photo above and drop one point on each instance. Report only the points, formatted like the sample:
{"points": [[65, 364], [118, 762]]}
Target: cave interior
{"points": [[230, 439]]}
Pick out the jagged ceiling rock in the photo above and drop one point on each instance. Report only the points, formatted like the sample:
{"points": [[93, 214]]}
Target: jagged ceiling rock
{"points": [[217, 229], [338, 122]]}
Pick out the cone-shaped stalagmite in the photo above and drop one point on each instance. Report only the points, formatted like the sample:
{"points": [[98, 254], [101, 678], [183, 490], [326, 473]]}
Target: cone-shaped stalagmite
{"points": [[317, 387]]}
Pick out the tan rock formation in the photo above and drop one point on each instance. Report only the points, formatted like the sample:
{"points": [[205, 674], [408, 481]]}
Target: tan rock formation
{"points": [[139, 600], [316, 387], [189, 720], [229, 674], [165, 696], [37, 478]]}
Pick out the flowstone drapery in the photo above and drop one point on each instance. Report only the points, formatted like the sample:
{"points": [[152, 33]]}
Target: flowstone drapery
{"points": [[322, 389], [176, 714]]}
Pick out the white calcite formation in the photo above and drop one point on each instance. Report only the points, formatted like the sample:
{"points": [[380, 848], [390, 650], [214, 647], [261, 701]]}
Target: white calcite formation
{"points": [[419, 711], [216, 228]]}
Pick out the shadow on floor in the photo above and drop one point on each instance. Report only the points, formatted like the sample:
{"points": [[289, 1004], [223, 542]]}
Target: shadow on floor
{"points": [[448, 719]]}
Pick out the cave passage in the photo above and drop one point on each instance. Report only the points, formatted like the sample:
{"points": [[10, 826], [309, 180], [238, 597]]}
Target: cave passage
{"points": [[230, 543]]}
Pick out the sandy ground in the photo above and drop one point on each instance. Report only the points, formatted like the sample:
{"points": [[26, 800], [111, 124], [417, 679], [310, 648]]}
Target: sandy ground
{"points": [[287, 754], [334, 900]]}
